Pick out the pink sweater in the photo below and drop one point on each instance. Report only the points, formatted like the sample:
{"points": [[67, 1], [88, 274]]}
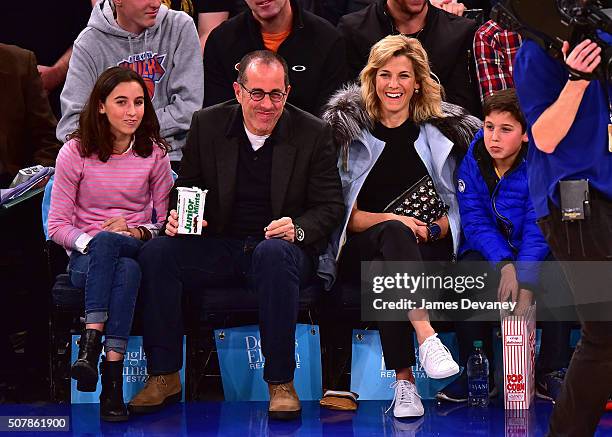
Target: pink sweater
{"points": [[87, 191]]}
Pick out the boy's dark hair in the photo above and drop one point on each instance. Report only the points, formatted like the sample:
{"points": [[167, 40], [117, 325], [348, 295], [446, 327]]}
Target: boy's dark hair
{"points": [[505, 101], [94, 132]]}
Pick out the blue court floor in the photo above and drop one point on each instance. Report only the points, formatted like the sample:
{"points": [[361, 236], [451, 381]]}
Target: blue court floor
{"points": [[246, 419]]}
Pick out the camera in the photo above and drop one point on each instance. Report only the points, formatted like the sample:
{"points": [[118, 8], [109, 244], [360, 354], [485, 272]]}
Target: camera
{"points": [[550, 22]]}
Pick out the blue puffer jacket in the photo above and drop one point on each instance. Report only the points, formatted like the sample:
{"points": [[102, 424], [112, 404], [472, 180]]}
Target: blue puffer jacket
{"points": [[497, 217]]}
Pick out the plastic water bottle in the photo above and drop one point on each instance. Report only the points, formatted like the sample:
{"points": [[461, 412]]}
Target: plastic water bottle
{"points": [[478, 377]]}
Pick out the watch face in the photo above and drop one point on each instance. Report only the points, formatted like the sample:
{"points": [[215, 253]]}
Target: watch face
{"points": [[299, 234], [434, 231]]}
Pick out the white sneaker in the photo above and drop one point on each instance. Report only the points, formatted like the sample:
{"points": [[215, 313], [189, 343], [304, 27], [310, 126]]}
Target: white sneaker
{"points": [[436, 359], [406, 401]]}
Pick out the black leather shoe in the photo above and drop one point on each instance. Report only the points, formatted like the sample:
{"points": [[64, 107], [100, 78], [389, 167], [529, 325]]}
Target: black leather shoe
{"points": [[112, 407], [85, 368]]}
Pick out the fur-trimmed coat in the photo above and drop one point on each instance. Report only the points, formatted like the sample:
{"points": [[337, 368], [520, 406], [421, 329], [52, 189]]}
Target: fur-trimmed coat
{"points": [[441, 144]]}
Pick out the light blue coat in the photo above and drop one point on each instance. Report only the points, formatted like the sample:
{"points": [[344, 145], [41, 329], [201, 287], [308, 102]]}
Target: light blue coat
{"points": [[361, 152], [435, 152]]}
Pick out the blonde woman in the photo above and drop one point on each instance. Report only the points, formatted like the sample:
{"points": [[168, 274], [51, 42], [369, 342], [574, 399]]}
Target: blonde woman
{"points": [[393, 131]]}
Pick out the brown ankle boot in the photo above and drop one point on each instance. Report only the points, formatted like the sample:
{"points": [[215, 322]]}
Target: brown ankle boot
{"points": [[159, 390], [284, 402]]}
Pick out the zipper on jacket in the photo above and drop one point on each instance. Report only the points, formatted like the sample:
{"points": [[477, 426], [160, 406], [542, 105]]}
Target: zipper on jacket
{"points": [[504, 219]]}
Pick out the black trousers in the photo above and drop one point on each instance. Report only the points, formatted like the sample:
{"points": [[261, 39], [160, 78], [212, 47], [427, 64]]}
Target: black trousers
{"points": [[274, 269], [391, 241], [588, 382]]}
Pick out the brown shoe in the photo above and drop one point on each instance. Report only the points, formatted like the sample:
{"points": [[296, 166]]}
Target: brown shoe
{"points": [[339, 400], [284, 402], [160, 390]]}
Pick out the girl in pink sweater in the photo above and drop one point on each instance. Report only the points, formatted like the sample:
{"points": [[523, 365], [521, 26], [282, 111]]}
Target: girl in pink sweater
{"points": [[111, 176]]}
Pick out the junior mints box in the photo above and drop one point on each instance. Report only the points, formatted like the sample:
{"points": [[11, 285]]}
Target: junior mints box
{"points": [[190, 209]]}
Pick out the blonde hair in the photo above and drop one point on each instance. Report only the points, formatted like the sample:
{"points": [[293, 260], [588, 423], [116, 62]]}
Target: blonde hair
{"points": [[425, 104]]}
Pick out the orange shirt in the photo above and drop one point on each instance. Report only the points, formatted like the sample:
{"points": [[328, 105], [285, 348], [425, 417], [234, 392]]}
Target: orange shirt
{"points": [[272, 41]]}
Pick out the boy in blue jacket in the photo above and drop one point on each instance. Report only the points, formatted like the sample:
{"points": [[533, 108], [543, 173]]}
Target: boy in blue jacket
{"points": [[499, 225]]}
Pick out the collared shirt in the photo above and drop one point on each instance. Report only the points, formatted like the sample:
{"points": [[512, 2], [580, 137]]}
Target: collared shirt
{"points": [[494, 50]]}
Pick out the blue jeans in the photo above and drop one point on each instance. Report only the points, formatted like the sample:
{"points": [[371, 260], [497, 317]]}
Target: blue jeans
{"points": [[275, 269], [110, 276]]}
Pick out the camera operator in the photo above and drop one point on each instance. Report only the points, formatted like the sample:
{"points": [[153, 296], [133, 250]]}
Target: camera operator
{"points": [[568, 120]]}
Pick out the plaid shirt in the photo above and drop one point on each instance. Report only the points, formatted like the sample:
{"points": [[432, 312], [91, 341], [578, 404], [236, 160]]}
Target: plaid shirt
{"points": [[494, 52]]}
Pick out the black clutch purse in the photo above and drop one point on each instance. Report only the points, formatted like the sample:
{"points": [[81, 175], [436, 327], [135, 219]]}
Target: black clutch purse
{"points": [[420, 201]]}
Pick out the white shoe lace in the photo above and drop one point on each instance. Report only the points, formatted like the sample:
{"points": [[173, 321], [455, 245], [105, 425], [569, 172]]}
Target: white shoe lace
{"points": [[406, 395], [435, 351]]}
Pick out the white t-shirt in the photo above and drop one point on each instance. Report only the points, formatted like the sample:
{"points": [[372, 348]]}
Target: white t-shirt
{"points": [[257, 141]]}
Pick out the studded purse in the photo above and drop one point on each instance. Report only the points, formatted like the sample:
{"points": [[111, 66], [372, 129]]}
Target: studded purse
{"points": [[420, 201]]}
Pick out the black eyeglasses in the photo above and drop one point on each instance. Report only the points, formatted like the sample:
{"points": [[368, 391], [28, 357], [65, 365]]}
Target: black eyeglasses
{"points": [[257, 95]]}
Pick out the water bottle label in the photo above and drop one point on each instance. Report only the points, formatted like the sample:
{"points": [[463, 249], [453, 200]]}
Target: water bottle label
{"points": [[478, 387]]}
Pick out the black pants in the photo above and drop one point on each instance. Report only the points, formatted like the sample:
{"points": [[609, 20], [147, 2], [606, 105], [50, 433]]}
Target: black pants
{"points": [[588, 382], [391, 241], [554, 350], [275, 269]]}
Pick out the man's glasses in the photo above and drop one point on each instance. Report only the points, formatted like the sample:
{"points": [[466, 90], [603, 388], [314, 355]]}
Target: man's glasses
{"points": [[258, 95]]}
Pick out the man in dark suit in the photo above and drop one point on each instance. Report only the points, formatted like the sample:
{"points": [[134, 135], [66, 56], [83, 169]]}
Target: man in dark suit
{"points": [[27, 125], [312, 47], [446, 37], [274, 196], [27, 137]]}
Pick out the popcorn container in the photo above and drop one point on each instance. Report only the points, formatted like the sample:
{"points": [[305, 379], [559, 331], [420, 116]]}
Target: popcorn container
{"points": [[519, 338]]}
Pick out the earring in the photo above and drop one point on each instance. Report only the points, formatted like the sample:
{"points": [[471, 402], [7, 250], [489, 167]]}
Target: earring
{"points": [[417, 90]]}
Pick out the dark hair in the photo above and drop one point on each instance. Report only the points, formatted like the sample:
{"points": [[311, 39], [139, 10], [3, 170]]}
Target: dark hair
{"points": [[267, 57], [94, 133], [505, 101]]}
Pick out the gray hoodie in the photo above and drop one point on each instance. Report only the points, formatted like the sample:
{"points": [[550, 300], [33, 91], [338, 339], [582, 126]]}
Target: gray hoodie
{"points": [[166, 55]]}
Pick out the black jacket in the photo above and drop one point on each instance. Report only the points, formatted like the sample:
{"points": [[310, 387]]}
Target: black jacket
{"points": [[447, 39], [305, 181], [314, 51], [27, 125]]}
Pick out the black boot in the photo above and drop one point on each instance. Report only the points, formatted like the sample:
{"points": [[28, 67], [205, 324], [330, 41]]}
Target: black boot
{"points": [[112, 408], [85, 368]]}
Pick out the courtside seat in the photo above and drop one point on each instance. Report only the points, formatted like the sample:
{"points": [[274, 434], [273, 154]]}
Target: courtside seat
{"points": [[67, 307], [65, 297], [205, 311], [218, 308], [239, 299]]}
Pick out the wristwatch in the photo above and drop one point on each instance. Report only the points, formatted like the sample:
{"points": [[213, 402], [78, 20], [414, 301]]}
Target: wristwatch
{"points": [[433, 231], [299, 232]]}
